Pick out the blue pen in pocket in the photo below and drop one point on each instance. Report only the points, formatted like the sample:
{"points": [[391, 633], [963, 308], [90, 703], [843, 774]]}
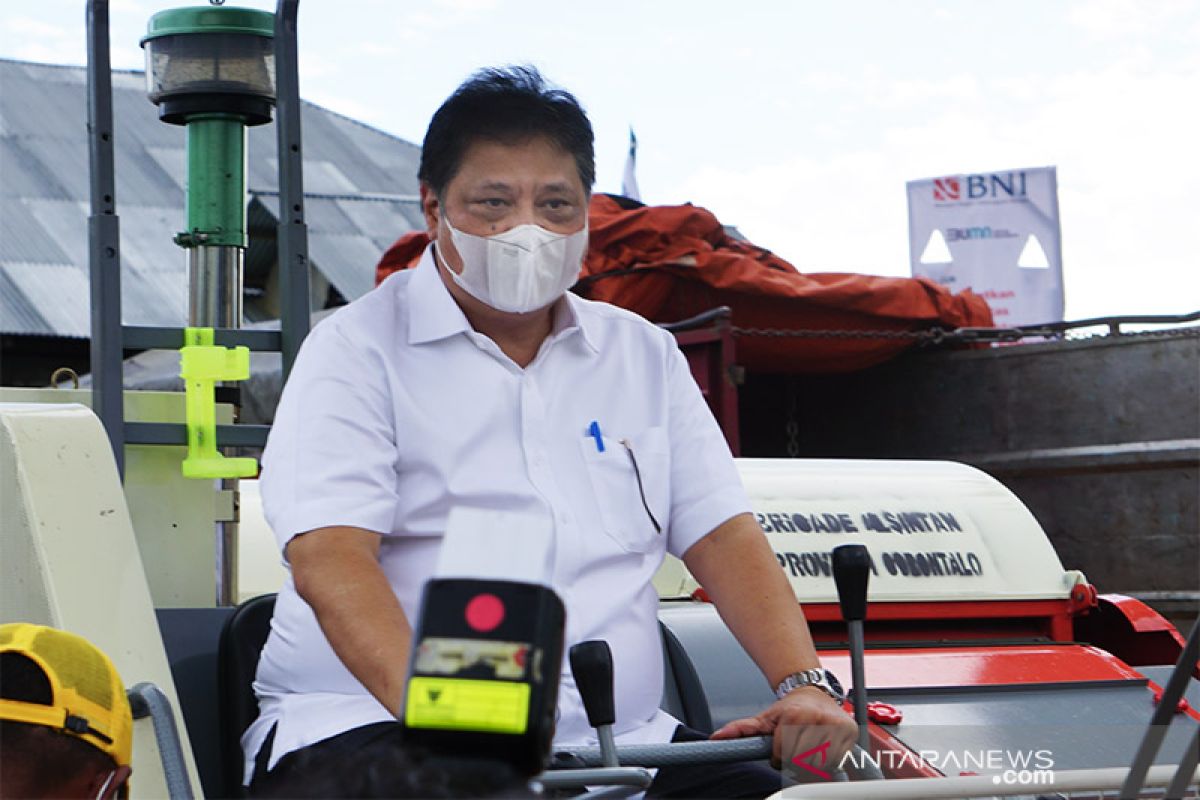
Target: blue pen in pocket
{"points": [[594, 432]]}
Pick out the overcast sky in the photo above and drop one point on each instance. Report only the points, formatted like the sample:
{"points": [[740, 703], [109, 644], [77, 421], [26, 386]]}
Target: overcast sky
{"points": [[800, 122]]}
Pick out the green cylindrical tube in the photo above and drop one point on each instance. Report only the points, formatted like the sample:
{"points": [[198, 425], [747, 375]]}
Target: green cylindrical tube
{"points": [[216, 191]]}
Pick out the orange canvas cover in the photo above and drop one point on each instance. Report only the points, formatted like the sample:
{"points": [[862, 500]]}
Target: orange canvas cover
{"points": [[669, 263]]}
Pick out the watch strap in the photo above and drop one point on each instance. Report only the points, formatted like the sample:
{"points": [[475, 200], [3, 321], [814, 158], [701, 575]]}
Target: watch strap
{"points": [[820, 678]]}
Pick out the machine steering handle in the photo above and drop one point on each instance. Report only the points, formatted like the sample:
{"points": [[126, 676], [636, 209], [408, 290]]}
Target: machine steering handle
{"points": [[677, 754], [754, 748]]}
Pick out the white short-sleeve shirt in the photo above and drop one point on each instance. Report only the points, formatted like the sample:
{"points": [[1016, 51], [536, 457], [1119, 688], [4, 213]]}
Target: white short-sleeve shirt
{"points": [[397, 411]]}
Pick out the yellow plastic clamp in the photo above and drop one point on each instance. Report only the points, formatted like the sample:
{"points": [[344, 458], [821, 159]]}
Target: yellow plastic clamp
{"points": [[201, 365]]}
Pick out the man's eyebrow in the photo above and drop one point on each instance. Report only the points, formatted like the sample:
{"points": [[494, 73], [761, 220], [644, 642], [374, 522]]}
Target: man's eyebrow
{"points": [[493, 186], [557, 187]]}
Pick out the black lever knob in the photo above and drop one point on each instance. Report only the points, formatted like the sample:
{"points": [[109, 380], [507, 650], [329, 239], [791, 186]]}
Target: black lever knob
{"points": [[851, 571], [592, 666]]}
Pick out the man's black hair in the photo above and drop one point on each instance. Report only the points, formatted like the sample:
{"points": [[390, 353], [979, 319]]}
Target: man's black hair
{"points": [[508, 105], [37, 755]]}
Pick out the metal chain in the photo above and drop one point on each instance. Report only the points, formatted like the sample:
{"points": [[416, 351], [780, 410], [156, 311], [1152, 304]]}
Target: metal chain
{"points": [[964, 335], [830, 334]]}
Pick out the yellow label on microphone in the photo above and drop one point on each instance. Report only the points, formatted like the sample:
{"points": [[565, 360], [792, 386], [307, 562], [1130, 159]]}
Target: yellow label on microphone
{"points": [[459, 704]]}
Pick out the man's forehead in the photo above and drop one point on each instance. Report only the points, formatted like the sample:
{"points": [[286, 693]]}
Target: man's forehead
{"points": [[510, 166], [498, 184]]}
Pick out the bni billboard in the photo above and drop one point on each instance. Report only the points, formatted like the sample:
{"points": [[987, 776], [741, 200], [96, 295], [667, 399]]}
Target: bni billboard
{"points": [[995, 233]]}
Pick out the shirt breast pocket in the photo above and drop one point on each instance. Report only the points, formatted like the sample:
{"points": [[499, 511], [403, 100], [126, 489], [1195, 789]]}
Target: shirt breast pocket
{"points": [[630, 479]]}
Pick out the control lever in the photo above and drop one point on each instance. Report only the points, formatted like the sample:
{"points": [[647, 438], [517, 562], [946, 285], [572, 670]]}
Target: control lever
{"points": [[591, 664], [851, 572]]}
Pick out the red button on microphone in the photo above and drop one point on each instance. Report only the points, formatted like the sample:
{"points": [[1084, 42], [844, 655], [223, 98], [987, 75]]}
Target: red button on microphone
{"points": [[485, 612]]}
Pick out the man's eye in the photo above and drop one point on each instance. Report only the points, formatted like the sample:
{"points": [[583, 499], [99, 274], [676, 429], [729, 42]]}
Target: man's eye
{"points": [[557, 205], [492, 202]]}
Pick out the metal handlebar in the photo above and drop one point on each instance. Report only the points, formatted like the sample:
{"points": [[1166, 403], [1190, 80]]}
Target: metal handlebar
{"points": [[676, 754], [147, 700]]}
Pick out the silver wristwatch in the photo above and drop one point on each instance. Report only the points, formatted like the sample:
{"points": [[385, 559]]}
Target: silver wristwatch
{"points": [[821, 678]]}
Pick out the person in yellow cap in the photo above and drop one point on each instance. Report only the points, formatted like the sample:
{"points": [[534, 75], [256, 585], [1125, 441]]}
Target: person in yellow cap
{"points": [[66, 729]]}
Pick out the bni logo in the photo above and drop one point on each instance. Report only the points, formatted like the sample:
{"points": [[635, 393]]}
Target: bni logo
{"points": [[946, 189], [995, 186]]}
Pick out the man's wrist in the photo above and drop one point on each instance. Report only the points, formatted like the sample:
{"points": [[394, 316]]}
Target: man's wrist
{"points": [[815, 678]]}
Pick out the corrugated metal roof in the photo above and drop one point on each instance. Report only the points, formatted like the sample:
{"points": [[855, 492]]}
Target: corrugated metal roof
{"points": [[60, 219], [28, 96], [384, 221], [16, 312], [64, 161], [44, 199], [23, 238], [146, 243], [59, 293], [349, 261], [155, 297], [173, 161], [23, 175]]}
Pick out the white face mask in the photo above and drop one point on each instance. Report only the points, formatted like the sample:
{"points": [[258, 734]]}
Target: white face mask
{"points": [[523, 269]]}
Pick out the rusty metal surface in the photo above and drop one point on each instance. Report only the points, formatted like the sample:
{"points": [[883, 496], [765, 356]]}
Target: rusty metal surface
{"points": [[1099, 437]]}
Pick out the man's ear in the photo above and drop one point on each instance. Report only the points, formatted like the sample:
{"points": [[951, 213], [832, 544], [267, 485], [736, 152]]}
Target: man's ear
{"points": [[105, 788], [431, 209], [120, 787]]}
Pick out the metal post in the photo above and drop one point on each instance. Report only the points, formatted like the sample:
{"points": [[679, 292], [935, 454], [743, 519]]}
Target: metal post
{"points": [[1187, 767], [1163, 714], [858, 675], [292, 232], [216, 192], [215, 301], [216, 241], [216, 220], [104, 238], [215, 286]]}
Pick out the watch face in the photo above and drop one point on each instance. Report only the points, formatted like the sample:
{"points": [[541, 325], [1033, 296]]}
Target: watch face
{"points": [[835, 684]]}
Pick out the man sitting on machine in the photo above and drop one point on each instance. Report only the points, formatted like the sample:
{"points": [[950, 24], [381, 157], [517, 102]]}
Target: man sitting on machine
{"points": [[475, 380]]}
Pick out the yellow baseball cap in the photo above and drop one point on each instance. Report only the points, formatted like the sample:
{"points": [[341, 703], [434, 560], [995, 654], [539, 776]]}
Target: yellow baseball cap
{"points": [[88, 697]]}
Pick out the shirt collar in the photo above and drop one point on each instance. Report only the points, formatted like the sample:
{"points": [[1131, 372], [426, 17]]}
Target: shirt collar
{"points": [[432, 312], [572, 312]]}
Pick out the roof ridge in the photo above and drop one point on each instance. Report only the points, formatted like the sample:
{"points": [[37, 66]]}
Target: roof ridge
{"points": [[380, 197], [80, 67], [338, 114], [361, 124]]}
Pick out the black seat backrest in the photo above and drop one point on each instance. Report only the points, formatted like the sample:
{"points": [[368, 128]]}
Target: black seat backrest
{"points": [[245, 633], [242, 641], [683, 694]]}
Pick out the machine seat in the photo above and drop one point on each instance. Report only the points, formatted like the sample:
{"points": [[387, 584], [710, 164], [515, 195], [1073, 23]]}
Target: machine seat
{"points": [[246, 632]]}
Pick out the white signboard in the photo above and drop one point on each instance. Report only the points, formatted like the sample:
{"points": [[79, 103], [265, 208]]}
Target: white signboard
{"points": [[995, 233], [935, 531], [915, 551]]}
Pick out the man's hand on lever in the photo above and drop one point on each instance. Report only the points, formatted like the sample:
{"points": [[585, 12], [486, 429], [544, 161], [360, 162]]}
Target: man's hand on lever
{"points": [[801, 723], [735, 565]]}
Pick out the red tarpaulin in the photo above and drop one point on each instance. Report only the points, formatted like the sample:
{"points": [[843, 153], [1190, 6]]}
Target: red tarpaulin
{"points": [[669, 263]]}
